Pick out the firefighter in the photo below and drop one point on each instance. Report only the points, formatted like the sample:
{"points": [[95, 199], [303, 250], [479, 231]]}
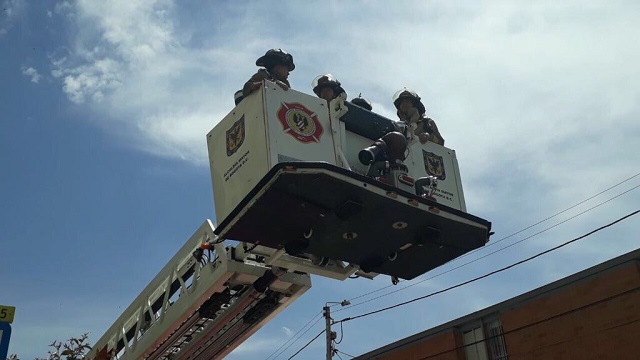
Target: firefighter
{"points": [[327, 87], [413, 121], [277, 64]]}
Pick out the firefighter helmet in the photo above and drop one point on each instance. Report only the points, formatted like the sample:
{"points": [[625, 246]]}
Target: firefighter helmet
{"points": [[326, 80], [411, 95], [275, 57]]}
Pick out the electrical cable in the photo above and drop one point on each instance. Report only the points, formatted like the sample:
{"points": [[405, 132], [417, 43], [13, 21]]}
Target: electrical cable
{"points": [[307, 344], [341, 334], [493, 243], [343, 353], [515, 233], [553, 317], [626, 292], [492, 272], [577, 338], [294, 339], [560, 212], [484, 256]]}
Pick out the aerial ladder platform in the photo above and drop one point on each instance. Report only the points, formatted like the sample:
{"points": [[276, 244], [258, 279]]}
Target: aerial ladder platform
{"points": [[301, 187]]}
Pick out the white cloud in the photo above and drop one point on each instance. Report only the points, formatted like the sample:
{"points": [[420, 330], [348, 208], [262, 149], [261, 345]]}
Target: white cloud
{"points": [[31, 73], [63, 8], [90, 82], [496, 77], [539, 100], [129, 60], [287, 332]]}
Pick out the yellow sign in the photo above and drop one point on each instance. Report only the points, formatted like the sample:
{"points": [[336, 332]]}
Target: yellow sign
{"points": [[6, 313]]}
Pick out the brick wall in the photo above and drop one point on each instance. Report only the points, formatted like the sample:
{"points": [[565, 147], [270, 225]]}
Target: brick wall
{"points": [[597, 318], [438, 346]]}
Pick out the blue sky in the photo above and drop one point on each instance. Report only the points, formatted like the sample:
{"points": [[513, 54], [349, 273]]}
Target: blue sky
{"points": [[105, 107]]}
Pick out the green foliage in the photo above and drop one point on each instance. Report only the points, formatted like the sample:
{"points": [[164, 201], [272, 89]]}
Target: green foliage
{"points": [[73, 349]]}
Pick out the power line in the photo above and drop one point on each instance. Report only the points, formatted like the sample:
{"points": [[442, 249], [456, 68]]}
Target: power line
{"points": [[553, 317], [469, 253], [547, 290], [293, 339], [492, 272], [562, 212], [517, 232], [513, 234], [494, 252], [307, 344], [300, 336], [341, 335], [579, 337], [343, 353]]}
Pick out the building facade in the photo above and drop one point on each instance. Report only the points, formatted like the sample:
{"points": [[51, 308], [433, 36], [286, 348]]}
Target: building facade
{"points": [[594, 314]]}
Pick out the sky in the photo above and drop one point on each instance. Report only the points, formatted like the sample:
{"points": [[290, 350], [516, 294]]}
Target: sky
{"points": [[104, 170]]}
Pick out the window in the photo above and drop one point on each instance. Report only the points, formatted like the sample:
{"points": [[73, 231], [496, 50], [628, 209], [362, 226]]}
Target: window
{"points": [[484, 341], [474, 344], [495, 340]]}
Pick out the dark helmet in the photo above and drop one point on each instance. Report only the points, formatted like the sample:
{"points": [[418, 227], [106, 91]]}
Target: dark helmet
{"points": [[326, 80], [275, 57], [409, 94], [362, 102], [238, 96]]}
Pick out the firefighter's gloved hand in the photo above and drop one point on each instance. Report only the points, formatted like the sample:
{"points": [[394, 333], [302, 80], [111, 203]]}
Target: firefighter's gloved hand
{"points": [[255, 86]]}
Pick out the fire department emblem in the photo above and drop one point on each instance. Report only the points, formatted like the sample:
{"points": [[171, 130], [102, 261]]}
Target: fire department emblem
{"points": [[235, 136], [434, 165], [300, 122]]}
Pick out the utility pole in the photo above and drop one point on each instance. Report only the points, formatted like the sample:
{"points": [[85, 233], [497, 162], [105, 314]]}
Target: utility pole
{"points": [[327, 332], [330, 335]]}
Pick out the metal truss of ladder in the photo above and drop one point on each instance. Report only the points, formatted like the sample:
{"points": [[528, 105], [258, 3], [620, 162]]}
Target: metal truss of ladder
{"points": [[204, 310]]}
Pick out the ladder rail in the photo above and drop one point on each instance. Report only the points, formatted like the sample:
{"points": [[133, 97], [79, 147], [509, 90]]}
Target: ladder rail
{"points": [[191, 302]]}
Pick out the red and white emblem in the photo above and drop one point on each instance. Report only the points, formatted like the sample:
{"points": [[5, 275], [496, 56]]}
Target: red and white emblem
{"points": [[300, 122]]}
